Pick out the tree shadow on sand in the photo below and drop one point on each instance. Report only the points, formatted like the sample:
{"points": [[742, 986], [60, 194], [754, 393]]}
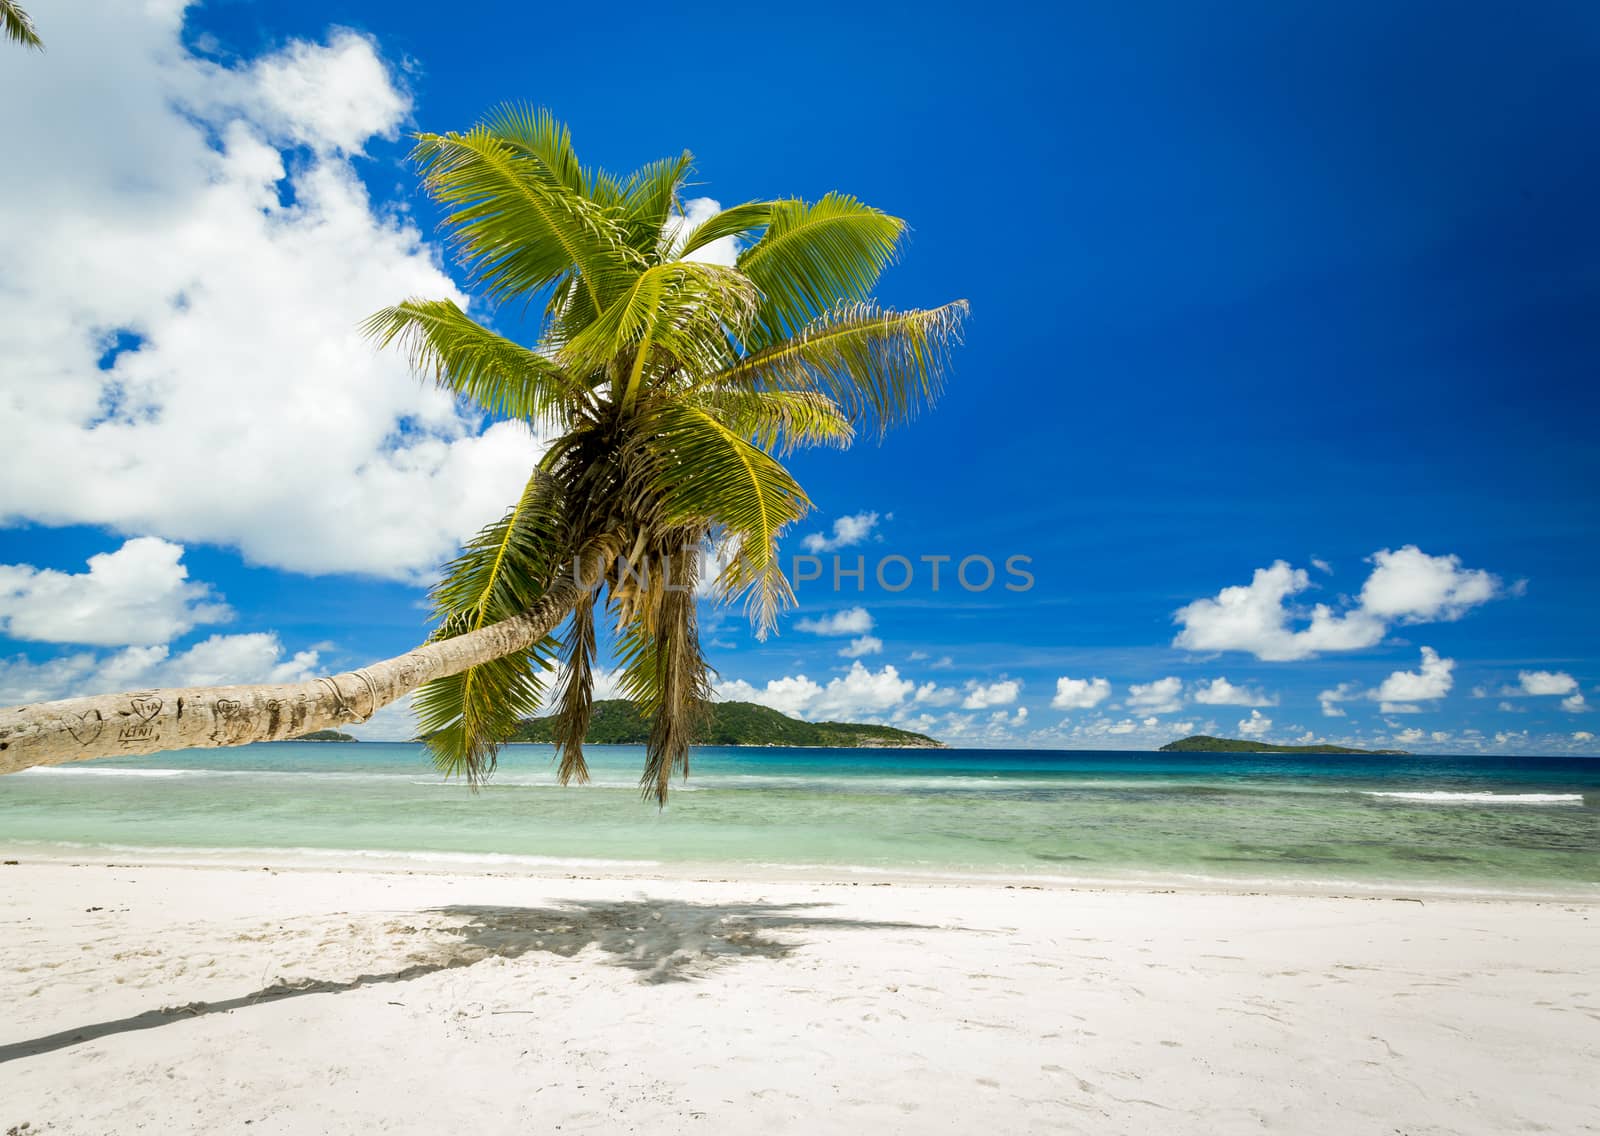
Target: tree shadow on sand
{"points": [[662, 940]]}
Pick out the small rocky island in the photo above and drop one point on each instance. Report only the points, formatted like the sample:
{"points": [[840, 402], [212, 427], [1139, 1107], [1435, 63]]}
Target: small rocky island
{"points": [[325, 736], [1205, 743]]}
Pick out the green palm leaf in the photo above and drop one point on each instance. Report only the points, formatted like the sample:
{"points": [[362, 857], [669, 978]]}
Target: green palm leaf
{"points": [[17, 26], [814, 258], [780, 421], [706, 473], [878, 366], [739, 221], [500, 573], [502, 377], [518, 229]]}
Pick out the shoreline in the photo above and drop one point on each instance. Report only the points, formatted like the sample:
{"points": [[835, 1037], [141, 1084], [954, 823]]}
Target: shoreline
{"points": [[165, 998], [393, 862]]}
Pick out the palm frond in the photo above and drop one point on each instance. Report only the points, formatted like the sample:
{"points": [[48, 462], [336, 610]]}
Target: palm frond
{"points": [[517, 228], [17, 26], [575, 704], [500, 573], [780, 421], [544, 141], [880, 367], [662, 668], [679, 312], [707, 474], [814, 258], [647, 201], [460, 355], [738, 221]]}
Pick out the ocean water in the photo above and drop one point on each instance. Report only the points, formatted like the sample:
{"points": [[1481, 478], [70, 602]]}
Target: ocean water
{"points": [[1524, 824]]}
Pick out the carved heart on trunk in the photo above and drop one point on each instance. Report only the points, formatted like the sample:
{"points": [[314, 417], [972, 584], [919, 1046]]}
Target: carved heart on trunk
{"points": [[84, 727], [146, 708], [228, 707]]}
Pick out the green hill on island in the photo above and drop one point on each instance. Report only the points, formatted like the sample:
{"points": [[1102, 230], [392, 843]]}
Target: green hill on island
{"points": [[326, 736], [617, 721], [1204, 743]]}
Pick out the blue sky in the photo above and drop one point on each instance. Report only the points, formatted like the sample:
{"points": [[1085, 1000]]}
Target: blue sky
{"points": [[1250, 285]]}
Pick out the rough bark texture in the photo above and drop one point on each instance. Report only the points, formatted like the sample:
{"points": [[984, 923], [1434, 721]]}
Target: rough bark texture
{"points": [[149, 721]]}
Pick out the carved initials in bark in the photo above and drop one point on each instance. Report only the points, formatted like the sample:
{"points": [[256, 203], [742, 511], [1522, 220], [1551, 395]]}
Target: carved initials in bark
{"points": [[233, 724], [143, 707]]}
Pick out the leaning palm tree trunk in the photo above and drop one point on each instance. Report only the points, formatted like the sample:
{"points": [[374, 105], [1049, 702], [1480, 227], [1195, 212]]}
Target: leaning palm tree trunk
{"points": [[149, 721]]}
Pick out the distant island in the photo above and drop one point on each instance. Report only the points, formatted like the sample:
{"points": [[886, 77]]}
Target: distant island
{"points": [[617, 721], [1204, 743], [326, 736]]}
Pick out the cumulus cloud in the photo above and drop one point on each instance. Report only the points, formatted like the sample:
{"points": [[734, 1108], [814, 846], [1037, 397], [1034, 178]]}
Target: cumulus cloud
{"points": [[1409, 586], [181, 337], [857, 693], [1405, 586], [932, 694], [982, 695], [1255, 726], [139, 594], [221, 659], [1163, 696], [849, 621], [1582, 736], [1575, 704], [862, 645], [853, 529], [1403, 689], [1545, 682], [1080, 693], [1221, 692]]}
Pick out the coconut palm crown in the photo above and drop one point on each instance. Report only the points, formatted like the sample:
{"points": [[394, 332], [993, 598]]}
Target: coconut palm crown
{"points": [[668, 384]]}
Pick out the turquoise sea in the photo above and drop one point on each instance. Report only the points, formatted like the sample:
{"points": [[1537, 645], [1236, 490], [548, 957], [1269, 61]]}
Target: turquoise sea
{"points": [[1500, 824]]}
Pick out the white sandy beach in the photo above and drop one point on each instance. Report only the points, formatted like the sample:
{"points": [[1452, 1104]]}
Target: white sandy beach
{"points": [[171, 999]]}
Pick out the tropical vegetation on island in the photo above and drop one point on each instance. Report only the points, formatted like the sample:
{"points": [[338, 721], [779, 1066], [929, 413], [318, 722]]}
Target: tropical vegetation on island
{"points": [[1205, 743], [616, 721], [670, 385], [17, 26]]}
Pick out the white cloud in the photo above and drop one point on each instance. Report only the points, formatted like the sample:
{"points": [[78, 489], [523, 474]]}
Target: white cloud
{"points": [[1432, 680], [846, 531], [942, 663], [1080, 693], [696, 210], [1406, 586], [1409, 586], [221, 659], [849, 621], [862, 645], [1253, 618], [1254, 726], [246, 410], [1330, 699], [139, 594], [1159, 697], [932, 694], [981, 696], [1582, 736], [1574, 704], [1410, 735], [917, 656], [1545, 682], [856, 693], [1221, 692]]}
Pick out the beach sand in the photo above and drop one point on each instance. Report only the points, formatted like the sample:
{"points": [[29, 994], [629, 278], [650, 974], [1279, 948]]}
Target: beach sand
{"points": [[171, 999]]}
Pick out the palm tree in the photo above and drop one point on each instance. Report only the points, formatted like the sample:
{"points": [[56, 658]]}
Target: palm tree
{"points": [[16, 25], [668, 383]]}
